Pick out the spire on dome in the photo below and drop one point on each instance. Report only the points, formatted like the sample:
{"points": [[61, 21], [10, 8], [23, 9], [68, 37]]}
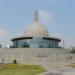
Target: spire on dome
{"points": [[36, 15]]}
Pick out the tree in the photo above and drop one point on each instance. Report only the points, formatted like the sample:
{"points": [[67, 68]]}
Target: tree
{"points": [[0, 46]]}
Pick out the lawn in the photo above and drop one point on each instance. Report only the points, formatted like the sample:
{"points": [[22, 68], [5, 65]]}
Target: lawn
{"points": [[18, 69], [71, 65]]}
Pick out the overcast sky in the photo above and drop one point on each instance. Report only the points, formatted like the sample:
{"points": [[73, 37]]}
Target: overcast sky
{"points": [[58, 16]]}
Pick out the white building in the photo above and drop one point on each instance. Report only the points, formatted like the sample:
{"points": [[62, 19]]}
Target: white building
{"points": [[36, 47]]}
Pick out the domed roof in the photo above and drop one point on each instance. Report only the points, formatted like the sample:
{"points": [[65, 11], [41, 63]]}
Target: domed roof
{"points": [[36, 29]]}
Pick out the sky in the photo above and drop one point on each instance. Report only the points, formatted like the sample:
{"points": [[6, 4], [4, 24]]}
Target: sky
{"points": [[58, 16]]}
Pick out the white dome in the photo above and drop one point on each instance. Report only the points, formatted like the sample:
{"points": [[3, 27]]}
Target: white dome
{"points": [[36, 29]]}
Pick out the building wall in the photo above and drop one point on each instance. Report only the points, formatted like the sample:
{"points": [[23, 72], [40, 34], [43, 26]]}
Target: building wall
{"points": [[36, 56]]}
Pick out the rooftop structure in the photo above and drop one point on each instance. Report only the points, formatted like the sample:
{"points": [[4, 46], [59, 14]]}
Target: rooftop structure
{"points": [[36, 36]]}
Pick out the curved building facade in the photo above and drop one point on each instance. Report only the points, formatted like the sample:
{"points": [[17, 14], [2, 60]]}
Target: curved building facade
{"points": [[34, 42], [36, 36]]}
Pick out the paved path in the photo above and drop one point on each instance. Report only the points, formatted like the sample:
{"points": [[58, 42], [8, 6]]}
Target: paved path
{"points": [[60, 70]]}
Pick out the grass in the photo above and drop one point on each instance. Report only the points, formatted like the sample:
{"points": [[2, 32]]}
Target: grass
{"points": [[18, 69], [72, 65]]}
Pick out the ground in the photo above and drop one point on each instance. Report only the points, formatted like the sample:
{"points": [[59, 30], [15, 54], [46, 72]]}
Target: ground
{"points": [[18, 69]]}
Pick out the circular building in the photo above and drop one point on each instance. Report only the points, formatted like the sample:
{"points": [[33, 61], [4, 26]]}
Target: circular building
{"points": [[35, 36]]}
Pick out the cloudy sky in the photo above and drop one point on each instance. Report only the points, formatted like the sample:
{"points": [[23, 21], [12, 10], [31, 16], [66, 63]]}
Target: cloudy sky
{"points": [[58, 16]]}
